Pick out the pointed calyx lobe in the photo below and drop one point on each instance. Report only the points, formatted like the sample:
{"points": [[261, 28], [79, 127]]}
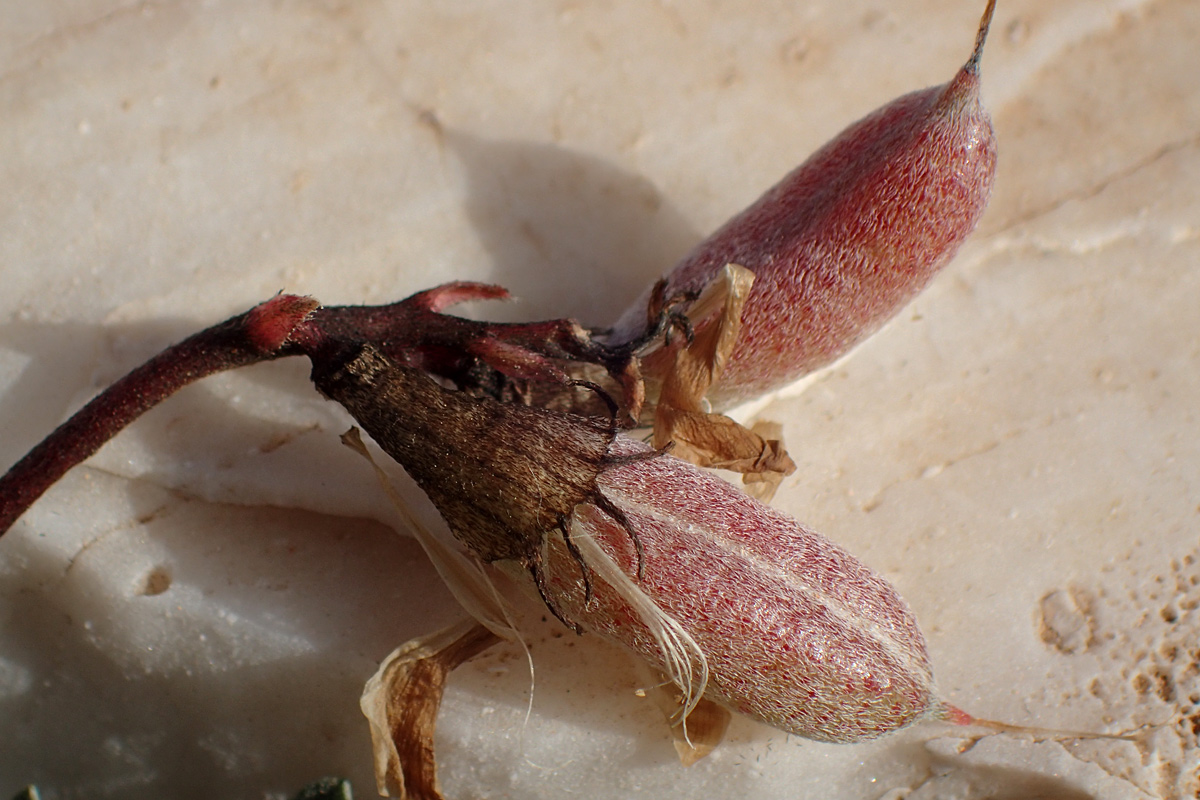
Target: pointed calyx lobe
{"points": [[843, 242]]}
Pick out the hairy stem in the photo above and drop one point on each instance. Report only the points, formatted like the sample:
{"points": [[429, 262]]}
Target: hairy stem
{"points": [[260, 334]]}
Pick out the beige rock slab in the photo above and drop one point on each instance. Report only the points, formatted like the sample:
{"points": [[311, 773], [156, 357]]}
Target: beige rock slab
{"points": [[193, 615]]}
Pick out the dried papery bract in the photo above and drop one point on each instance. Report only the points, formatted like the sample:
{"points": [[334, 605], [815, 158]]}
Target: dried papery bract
{"points": [[842, 243], [697, 733], [680, 419], [401, 702]]}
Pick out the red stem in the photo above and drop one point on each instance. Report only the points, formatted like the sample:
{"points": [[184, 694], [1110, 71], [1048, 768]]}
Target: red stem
{"points": [[260, 334]]}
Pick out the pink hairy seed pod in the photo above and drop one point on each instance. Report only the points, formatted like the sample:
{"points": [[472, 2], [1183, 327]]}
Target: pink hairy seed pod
{"points": [[847, 239], [797, 633]]}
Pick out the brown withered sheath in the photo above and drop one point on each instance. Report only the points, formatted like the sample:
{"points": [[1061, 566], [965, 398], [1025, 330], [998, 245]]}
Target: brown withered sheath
{"points": [[502, 475]]}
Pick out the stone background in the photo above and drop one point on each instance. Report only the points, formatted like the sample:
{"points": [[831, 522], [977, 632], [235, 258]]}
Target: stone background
{"points": [[194, 613]]}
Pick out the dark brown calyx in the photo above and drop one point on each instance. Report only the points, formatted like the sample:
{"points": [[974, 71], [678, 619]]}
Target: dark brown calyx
{"points": [[502, 475]]}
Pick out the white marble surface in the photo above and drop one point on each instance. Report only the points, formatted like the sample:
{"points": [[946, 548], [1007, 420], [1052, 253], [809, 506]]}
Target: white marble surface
{"points": [[194, 613]]}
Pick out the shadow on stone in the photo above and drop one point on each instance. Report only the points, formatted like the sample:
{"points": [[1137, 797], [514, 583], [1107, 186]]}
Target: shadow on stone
{"points": [[569, 234]]}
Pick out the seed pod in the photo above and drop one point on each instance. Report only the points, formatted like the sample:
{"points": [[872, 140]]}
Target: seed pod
{"points": [[795, 632], [843, 242]]}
